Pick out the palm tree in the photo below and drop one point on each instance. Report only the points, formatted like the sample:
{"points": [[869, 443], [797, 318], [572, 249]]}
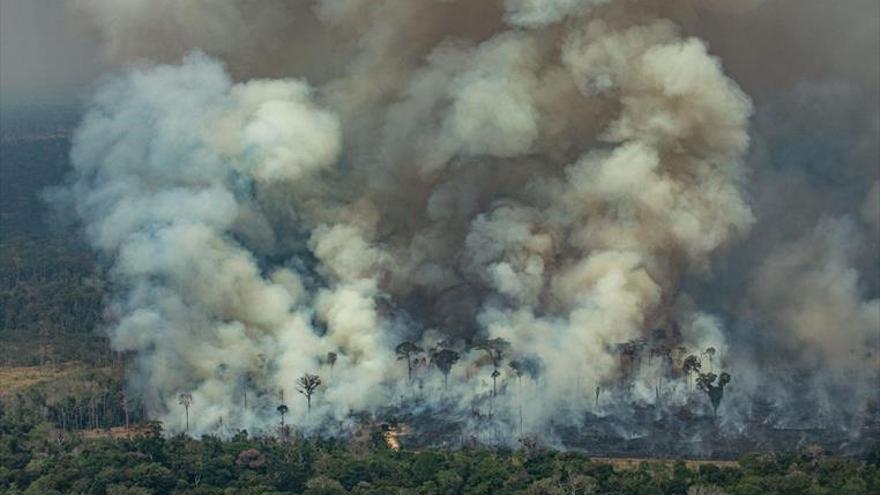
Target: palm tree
{"points": [[306, 385], [185, 400], [282, 410], [495, 375], [495, 348], [405, 350]]}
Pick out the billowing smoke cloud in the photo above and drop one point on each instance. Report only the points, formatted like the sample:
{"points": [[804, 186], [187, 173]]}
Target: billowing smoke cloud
{"points": [[552, 173], [811, 286]]}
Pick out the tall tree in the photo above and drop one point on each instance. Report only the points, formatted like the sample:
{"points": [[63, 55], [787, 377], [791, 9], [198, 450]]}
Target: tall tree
{"points": [[249, 379], [445, 359], [495, 375], [306, 385], [496, 349], [125, 411], [185, 400], [518, 370], [405, 350], [282, 410], [533, 366], [714, 390], [691, 366]]}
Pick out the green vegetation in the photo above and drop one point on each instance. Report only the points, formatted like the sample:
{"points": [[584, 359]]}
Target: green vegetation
{"points": [[51, 299], [36, 458], [50, 304]]}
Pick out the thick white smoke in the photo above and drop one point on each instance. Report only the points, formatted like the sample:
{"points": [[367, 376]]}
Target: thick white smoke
{"points": [[545, 172]]}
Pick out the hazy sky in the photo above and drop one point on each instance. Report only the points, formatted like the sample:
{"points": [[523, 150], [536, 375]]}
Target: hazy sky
{"points": [[44, 54]]}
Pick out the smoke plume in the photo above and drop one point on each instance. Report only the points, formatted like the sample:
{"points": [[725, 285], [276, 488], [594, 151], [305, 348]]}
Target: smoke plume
{"points": [[272, 182]]}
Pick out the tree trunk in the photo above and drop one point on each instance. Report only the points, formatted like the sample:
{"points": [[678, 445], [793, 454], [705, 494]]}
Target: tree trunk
{"points": [[519, 399]]}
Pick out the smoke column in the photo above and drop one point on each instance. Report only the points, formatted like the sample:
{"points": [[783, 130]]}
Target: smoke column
{"points": [[271, 181]]}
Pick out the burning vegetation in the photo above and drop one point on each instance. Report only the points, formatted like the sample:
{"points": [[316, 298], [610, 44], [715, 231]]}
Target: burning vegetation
{"points": [[496, 228]]}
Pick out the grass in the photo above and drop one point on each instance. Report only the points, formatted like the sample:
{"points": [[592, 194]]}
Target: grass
{"points": [[17, 378]]}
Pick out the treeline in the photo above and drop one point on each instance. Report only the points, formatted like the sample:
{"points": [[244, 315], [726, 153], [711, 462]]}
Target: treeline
{"points": [[80, 399], [37, 459]]}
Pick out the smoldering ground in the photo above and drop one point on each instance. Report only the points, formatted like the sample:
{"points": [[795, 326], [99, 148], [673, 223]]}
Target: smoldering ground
{"points": [[274, 182]]}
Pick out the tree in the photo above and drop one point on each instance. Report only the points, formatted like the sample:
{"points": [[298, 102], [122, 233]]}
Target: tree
{"points": [[185, 400], [282, 410], [495, 349], [706, 382], [306, 385], [331, 360], [405, 350], [445, 359], [691, 365], [519, 371], [533, 366], [125, 411], [249, 379], [495, 375]]}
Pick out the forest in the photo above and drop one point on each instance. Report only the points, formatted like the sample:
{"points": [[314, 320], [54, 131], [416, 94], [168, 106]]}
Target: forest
{"points": [[37, 458]]}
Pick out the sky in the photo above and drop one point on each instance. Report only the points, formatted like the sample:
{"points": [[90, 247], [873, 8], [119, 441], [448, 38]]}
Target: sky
{"points": [[45, 54]]}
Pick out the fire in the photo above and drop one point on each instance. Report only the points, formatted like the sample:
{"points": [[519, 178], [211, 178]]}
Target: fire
{"points": [[391, 439], [392, 434]]}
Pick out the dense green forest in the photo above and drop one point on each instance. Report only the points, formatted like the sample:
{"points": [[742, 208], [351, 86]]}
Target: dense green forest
{"points": [[50, 304], [36, 458]]}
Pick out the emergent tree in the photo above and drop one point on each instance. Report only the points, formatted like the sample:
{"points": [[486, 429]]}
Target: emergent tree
{"points": [[185, 399], [306, 385], [405, 351], [707, 384], [496, 349], [445, 359]]}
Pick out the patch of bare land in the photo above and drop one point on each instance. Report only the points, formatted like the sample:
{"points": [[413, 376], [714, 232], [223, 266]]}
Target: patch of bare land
{"points": [[115, 432], [16, 378]]}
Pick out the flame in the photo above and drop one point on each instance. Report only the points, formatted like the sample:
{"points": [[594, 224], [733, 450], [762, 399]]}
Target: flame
{"points": [[391, 438]]}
